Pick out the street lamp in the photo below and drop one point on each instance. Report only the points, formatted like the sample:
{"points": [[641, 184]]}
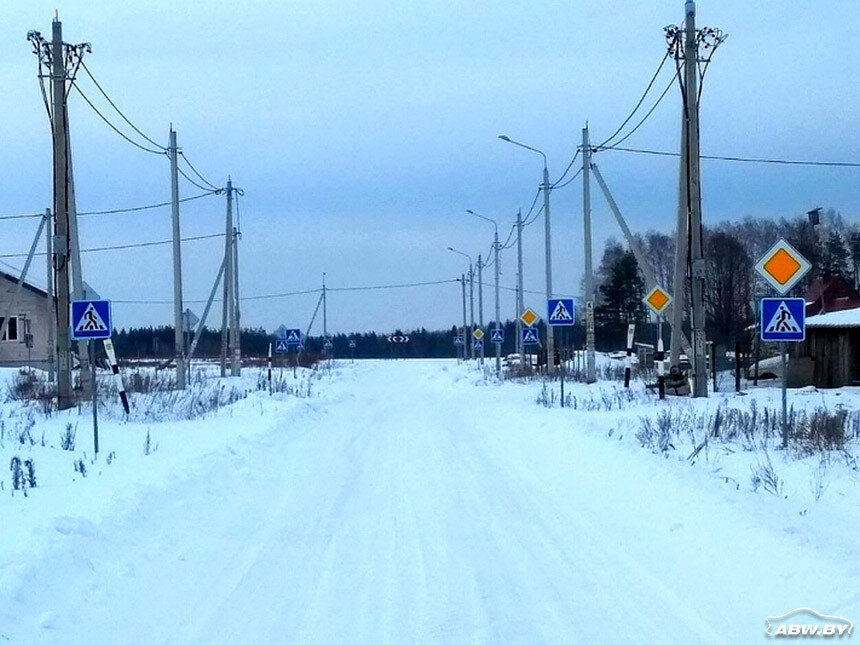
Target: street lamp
{"points": [[496, 249], [467, 336], [546, 187]]}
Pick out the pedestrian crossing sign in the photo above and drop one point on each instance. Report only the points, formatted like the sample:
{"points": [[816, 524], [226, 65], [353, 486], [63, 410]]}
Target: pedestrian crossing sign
{"points": [[530, 336], [90, 319], [783, 319], [478, 343], [293, 336], [559, 312], [281, 346], [497, 335]]}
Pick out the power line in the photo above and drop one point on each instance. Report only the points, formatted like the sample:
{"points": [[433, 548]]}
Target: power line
{"points": [[191, 181], [639, 102], [575, 175], [783, 162], [643, 119], [271, 296], [566, 170], [113, 105], [194, 170], [533, 219], [134, 209], [113, 127], [135, 245], [392, 286]]}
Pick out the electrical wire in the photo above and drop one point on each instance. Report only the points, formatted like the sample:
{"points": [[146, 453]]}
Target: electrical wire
{"points": [[643, 119], [575, 175], [134, 209], [639, 103], [566, 170], [135, 245], [783, 162], [205, 300], [194, 170], [392, 286], [191, 181], [533, 219], [118, 111], [113, 127]]}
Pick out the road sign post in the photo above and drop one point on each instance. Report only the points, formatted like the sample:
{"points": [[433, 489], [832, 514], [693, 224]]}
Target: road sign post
{"points": [[91, 321], [783, 319]]}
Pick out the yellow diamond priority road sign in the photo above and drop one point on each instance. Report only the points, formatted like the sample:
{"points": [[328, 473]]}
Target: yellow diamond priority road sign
{"points": [[782, 266], [529, 318], [478, 334], [658, 299]]}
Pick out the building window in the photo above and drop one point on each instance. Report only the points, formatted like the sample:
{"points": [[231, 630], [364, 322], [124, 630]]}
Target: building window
{"points": [[11, 330]]}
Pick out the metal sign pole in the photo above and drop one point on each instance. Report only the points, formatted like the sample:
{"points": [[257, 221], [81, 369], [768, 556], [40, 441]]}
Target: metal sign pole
{"points": [[90, 347], [783, 349]]}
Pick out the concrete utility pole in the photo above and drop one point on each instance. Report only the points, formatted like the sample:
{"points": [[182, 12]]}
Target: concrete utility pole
{"points": [[471, 310], [697, 273], [178, 353], [679, 279], [481, 301], [227, 300], [77, 268], [497, 269], [61, 211], [520, 305], [590, 370], [496, 249], [236, 329], [49, 288], [465, 334], [546, 187], [684, 44], [325, 310]]}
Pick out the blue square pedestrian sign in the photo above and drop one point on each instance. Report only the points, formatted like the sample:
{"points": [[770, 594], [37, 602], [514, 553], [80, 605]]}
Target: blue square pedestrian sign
{"points": [[559, 312], [90, 319], [458, 340], [281, 346], [497, 335], [478, 343], [783, 319], [530, 336], [293, 336]]}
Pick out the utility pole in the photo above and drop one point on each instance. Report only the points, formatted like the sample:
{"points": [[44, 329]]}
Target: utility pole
{"points": [[61, 211], [236, 329], [325, 311], [227, 300], [471, 310], [52, 320], [465, 334], [481, 301], [77, 287], [179, 358], [684, 44], [496, 270], [681, 255], [550, 340], [590, 371], [520, 307]]}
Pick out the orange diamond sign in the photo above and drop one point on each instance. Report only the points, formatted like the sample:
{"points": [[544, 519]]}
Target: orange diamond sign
{"points": [[529, 317], [478, 334], [658, 299], [782, 266]]}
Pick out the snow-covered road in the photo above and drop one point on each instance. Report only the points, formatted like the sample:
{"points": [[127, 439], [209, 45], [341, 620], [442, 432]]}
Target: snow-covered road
{"points": [[413, 504]]}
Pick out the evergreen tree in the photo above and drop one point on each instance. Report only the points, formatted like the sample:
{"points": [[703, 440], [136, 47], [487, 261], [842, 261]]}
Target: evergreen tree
{"points": [[622, 294], [834, 257]]}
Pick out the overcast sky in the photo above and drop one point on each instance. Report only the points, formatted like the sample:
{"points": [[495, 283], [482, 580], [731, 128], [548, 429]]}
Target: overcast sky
{"points": [[362, 131]]}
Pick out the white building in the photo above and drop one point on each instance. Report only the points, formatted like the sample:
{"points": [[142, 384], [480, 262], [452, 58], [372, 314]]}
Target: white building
{"points": [[26, 338]]}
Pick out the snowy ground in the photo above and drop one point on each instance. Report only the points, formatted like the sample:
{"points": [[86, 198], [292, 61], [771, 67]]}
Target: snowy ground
{"points": [[419, 501]]}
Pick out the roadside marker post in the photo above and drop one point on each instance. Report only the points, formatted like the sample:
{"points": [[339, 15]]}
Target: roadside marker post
{"points": [[661, 369], [783, 319], [91, 321], [628, 362], [114, 366], [269, 370]]}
